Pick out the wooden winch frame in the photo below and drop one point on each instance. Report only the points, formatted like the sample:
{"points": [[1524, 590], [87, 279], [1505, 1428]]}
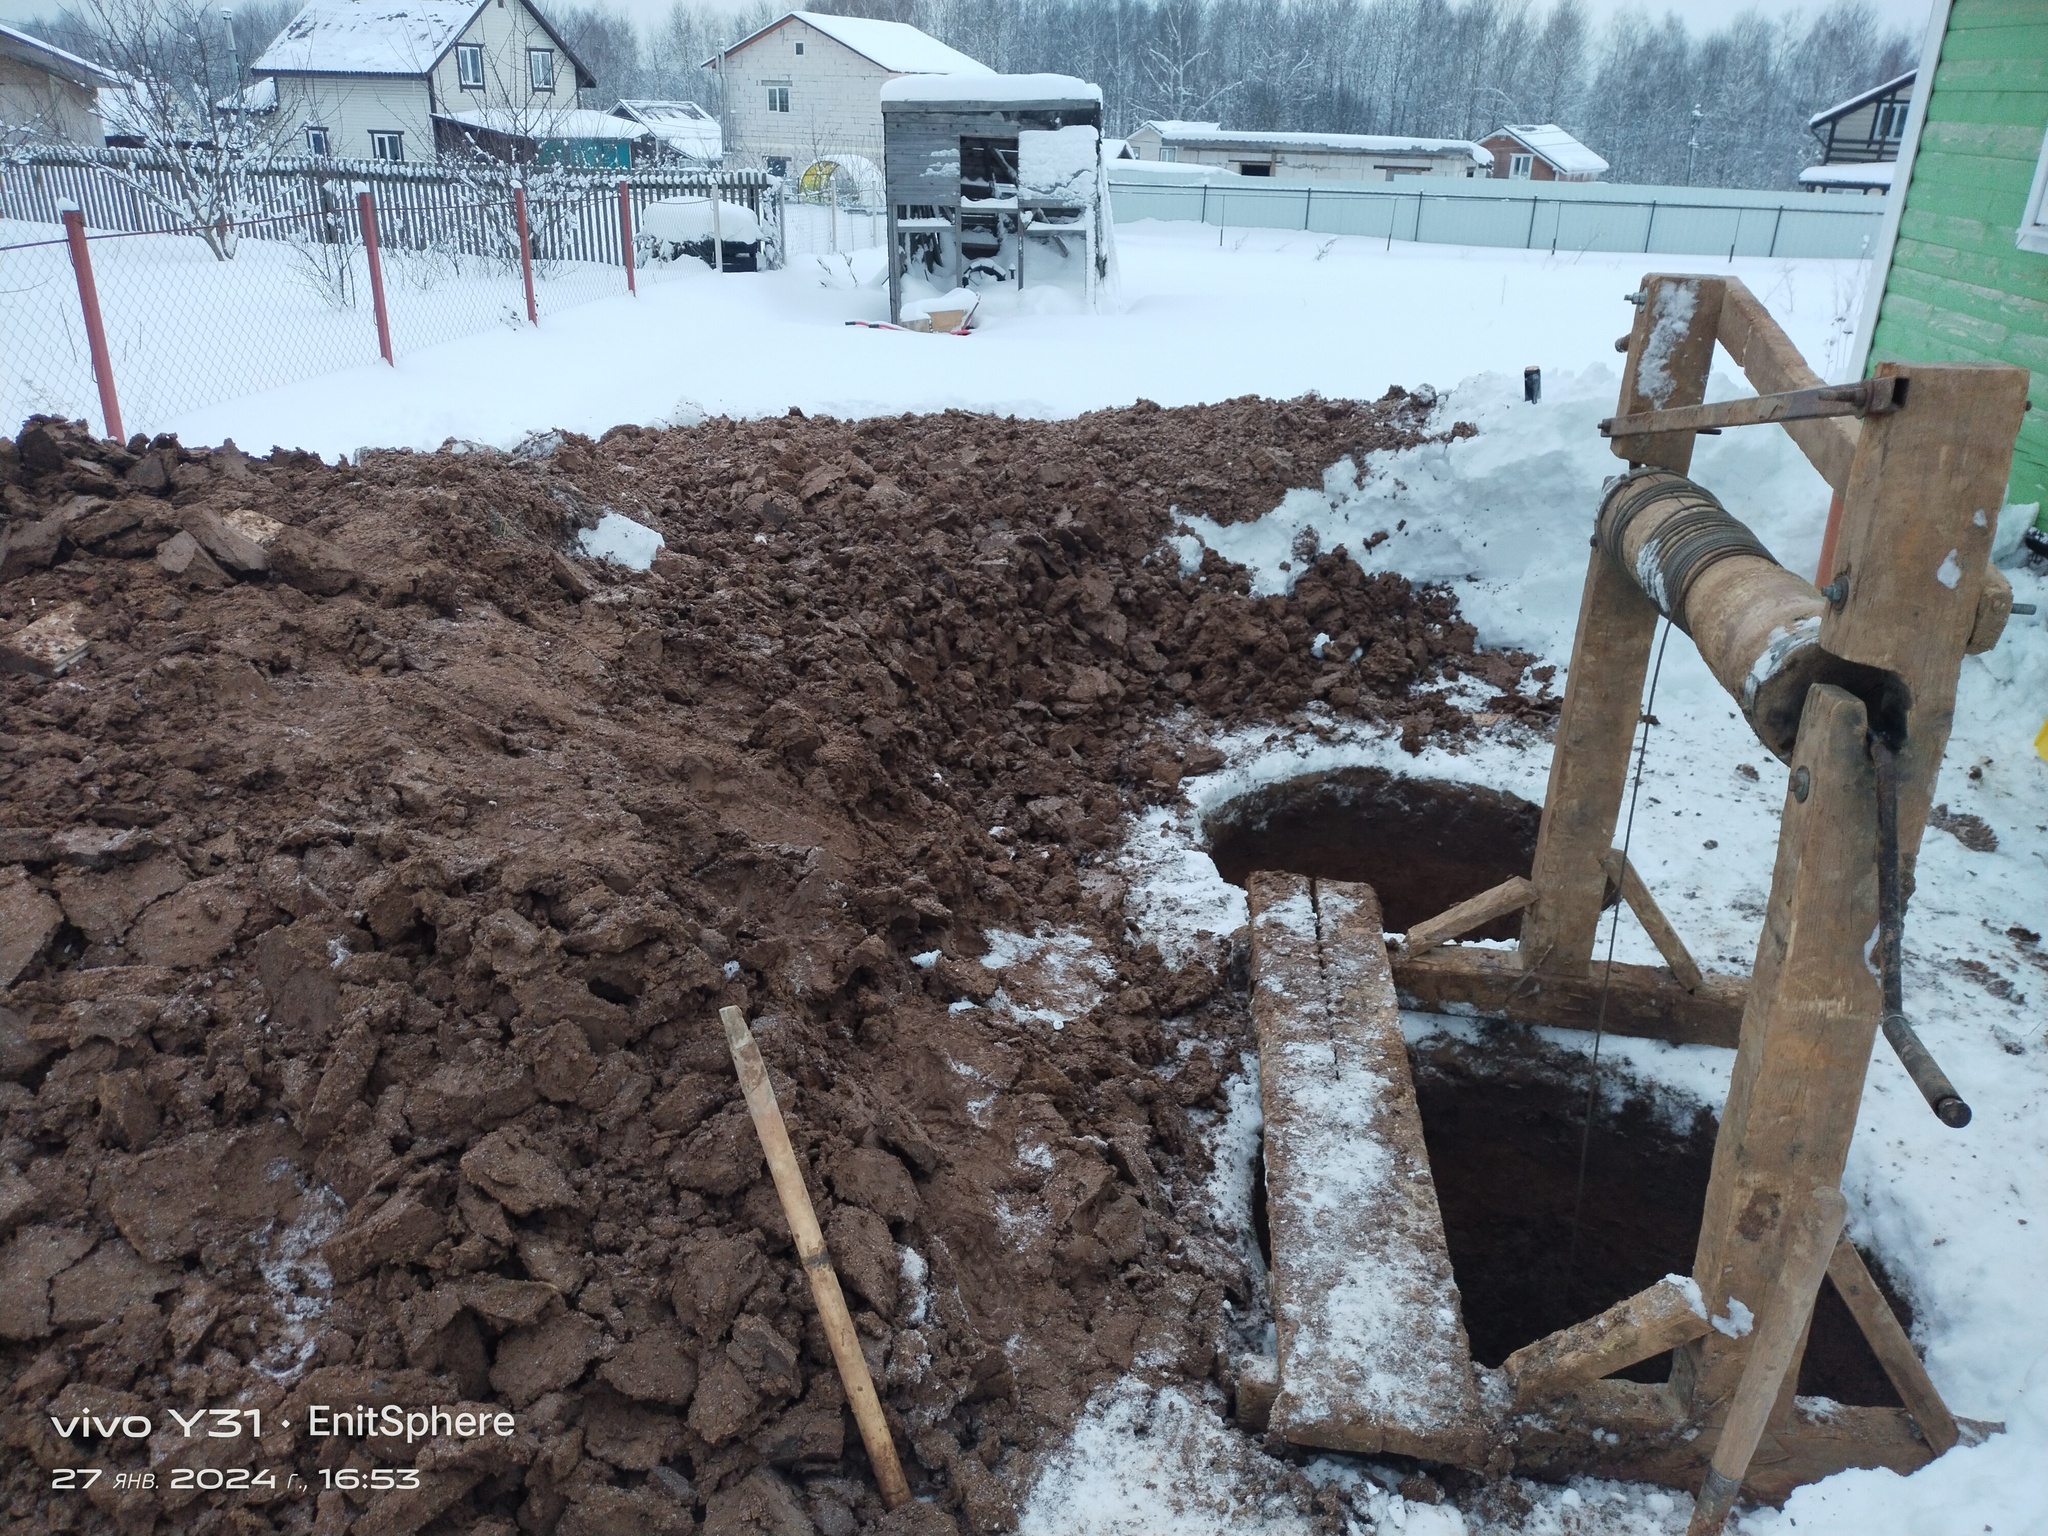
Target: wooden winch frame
{"points": [[1918, 458]]}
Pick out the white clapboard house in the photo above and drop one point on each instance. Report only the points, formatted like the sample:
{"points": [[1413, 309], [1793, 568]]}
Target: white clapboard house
{"points": [[367, 79], [809, 87]]}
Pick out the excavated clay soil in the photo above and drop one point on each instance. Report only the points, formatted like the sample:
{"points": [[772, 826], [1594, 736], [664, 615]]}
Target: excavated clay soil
{"points": [[364, 919]]}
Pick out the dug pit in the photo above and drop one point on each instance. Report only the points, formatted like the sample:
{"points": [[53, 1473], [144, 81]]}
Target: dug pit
{"points": [[1422, 844], [1503, 1120]]}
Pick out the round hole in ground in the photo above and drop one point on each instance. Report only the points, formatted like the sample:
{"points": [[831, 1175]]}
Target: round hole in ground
{"points": [[1421, 844], [1502, 1120]]}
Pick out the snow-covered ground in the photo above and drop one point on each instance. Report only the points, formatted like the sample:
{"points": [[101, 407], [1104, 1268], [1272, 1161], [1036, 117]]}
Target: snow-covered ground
{"points": [[1203, 315], [1504, 515]]}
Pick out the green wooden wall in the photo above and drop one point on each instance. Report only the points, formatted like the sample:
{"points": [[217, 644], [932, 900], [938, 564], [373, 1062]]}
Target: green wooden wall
{"points": [[1959, 288]]}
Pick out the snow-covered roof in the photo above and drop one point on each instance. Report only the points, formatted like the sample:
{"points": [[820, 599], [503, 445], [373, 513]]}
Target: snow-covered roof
{"points": [[382, 37], [897, 46], [1844, 108], [1209, 136], [990, 87], [260, 97], [1878, 174], [682, 125], [569, 123], [1558, 147], [51, 59]]}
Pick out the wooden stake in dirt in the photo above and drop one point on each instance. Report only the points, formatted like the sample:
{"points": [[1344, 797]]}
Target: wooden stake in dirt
{"points": [[810, 1247], [1779, 1335]]}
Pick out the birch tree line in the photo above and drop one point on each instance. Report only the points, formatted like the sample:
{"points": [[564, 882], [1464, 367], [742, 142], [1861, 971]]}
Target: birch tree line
{"points": [[1441, 68]]}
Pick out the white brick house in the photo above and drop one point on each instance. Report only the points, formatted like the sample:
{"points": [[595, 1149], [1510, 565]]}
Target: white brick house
{"points": [[808, 87], [365, 79]]}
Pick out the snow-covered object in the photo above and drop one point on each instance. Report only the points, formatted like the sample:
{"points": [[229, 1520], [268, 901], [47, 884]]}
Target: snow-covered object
{"points": [[367, 37], [896, 46], [1862, 178], [1209, 136], [960, 301], [686, 220], [1558, 147], [622, 541], [991, 87], [1058, 165], [682, 126]]}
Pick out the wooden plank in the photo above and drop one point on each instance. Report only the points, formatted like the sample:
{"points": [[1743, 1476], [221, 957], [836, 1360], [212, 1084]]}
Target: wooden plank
{"points": [[1623, 874], [1869, 397], [1994, 609], [1894, 1351], [1918, 514], [1668, 1314], [1806, 1037], [1772, 365], [1644, 1001], [1372, 1347], [1773, 1355], [1511, 895], [1668, 353]]}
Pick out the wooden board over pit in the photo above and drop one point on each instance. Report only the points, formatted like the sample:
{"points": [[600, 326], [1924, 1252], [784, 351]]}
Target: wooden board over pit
{"points": [[1373, 1353]]}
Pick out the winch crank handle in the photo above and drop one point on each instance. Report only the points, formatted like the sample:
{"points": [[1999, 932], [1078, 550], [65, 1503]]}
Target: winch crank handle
{"points": [[1933, 1083]]}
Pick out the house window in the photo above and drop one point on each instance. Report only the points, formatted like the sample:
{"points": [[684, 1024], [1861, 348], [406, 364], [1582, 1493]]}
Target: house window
{"points": [[1169, 152], [778, 98], [778, 165], [799, 50], [540, 68], [1254, 168], [387, 145], [1891, 120], [2033, 233], [317, 142], [1521, 167], [469, 66]]}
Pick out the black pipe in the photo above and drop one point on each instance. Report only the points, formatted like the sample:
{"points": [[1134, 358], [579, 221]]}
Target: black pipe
{"points": [[1933, 1083]]}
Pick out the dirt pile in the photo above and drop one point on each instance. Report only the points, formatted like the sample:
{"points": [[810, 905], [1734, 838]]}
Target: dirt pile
{"points": [[368, 889]]}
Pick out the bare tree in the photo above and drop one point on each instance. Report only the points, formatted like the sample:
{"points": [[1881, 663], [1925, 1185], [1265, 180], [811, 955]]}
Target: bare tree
{"points": [[184, 96]]}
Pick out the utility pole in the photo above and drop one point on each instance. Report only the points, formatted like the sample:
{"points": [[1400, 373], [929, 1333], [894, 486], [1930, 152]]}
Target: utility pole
{"points": [[1692, 147]]}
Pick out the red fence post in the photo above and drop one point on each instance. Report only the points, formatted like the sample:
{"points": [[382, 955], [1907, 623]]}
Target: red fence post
{"points": [[626, 233], [525, 254], [95, 331], [367, 212]]}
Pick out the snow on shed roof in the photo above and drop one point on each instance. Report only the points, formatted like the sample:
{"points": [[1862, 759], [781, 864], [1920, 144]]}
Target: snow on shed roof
{"points": [[990, 87], [1209, 136], [1844, 108], [1558, 147], [568, 123], [50, 58], [897, 46], [681, 125]]}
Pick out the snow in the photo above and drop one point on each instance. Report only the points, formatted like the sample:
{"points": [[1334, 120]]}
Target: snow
{"points": [[49, 56], [1049, 978], [1878, 175], [367, 37], [895, 45], [565, 123], [1559, 148], [991, 87], [622, 541], [1058, 165], [681, 125], [1860, 98], [685, 220]]}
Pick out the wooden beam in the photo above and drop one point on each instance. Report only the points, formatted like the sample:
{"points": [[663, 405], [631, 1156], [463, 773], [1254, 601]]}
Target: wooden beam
{"points": [[1917, 518], [1806, 1037], [1870, 397], [1511, 895], [1894, 1351], [1648, 1323], [1623, 874], [1994, 609], [1642, 1000], [1773, 1355], [1771, 363], [1611, 652], [1372, 1345]]}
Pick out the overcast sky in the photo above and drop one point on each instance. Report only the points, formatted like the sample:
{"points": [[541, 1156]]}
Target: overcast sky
{"points": [[1701, 15]]}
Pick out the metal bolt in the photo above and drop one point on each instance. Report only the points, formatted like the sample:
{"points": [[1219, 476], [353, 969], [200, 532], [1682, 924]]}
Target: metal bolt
{"points": [[1802, 781]]}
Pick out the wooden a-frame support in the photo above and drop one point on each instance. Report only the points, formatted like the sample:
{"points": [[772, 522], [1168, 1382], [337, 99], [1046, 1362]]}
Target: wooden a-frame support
{"points": [[1913, 592]]}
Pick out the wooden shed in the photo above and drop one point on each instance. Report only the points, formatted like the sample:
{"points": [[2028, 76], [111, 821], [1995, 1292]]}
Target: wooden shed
{"points": [[1961, 270], [993, 180]]}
